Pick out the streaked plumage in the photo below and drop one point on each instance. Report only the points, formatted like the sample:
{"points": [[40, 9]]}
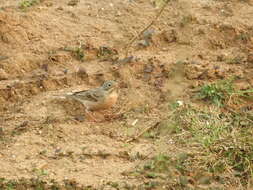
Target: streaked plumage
{"points": [[99, 98]]}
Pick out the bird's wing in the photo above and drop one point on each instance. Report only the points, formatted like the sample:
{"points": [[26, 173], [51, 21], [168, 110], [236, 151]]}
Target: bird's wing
{"points": [[89, 95]]}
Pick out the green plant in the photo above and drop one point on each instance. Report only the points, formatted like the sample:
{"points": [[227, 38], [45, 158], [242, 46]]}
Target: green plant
{"points": [[27, 3], [11, 185], [158, 164], [186, 19], [223, 92], [40, 172], [223, 144], [38, 184], [234, 60], [78, 52], [244, 37], [105, 52], [158, 3], [217, 92], [219, 148]]}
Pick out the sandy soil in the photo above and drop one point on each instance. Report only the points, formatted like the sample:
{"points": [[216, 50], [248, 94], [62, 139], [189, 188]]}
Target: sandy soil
{"points": [[194, 42]]}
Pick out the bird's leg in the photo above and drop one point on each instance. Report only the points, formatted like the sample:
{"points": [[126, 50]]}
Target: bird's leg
{"points": [[90, 115]]}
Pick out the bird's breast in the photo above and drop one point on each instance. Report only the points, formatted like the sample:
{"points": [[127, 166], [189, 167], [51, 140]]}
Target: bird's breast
{"points": [[107, 103]]}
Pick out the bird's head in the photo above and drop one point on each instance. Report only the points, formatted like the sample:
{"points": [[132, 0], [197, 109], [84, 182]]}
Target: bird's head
{"points": [[110, 85]]}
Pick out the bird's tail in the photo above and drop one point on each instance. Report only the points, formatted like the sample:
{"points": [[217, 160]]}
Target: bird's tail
{"points": [[64, 96]]}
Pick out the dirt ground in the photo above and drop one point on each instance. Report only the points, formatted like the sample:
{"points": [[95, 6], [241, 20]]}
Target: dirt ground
{"points": [[55, 47]]}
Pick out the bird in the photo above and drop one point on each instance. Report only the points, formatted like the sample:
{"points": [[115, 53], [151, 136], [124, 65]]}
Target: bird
{"points": [[100, 98]]}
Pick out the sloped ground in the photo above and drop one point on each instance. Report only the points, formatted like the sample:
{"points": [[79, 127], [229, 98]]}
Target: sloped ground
{"points": [[52, 48]]}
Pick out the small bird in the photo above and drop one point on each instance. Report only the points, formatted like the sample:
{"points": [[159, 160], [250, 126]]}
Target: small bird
{"points": [[100, 98]]}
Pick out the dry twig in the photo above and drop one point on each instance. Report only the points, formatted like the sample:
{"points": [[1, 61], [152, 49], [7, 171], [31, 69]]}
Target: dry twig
{"points": [[147, 27], [144, 130]]}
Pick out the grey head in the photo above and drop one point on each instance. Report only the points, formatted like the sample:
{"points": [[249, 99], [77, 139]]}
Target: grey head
{"points": [[109, 85]]}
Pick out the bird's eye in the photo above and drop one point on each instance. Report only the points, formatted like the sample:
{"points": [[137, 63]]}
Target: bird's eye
{"points": [[109, 85]]}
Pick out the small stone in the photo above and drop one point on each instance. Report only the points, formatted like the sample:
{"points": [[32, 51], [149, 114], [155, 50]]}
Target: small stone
{"points": [[73, 2], [250, 58], [148, 34], [82, 72], [2, 57], [220, 58], [149, 68], [44, 67], [118, 13], [3, 75], [169, 36], [24, 124], [195, 72], [125, 60], [80, 118], [144, 43], [59, 8], [5, 38], [180, 103], [65, 71]]}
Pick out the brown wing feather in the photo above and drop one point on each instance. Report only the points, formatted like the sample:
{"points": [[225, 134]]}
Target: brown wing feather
{"points": [[92, 95]]}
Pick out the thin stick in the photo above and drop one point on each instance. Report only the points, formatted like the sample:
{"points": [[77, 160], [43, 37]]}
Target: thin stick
{"points": [[150, 127], [147, 27], [145, 130]]}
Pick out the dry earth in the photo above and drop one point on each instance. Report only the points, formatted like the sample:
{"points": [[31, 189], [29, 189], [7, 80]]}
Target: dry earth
{"points": [[55, 47]]}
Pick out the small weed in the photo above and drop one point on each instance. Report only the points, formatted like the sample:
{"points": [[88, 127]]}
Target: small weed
{"points": [[1, 133], [151, 185], [244, 37], [40, 172], [10, 186], [167, 168], [217, 92], [27, 3], [78, 52], [106, 53], [235, 60], [158, 3], [244, 1], [186, 20], [223, 92], [38, 184], [158, 164], [73, 2], [169, 126], [150, 134], [220, 149], [222, 142], [113, 184]]}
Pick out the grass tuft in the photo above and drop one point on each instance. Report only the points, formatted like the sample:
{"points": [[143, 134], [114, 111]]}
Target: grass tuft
{"points": [[27, 3], [77, 52], [213, 148], [221, 93]]}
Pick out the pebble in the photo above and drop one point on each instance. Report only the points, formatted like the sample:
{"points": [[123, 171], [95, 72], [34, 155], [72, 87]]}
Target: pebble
{"points": [[250, 58], [3, 75]]}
